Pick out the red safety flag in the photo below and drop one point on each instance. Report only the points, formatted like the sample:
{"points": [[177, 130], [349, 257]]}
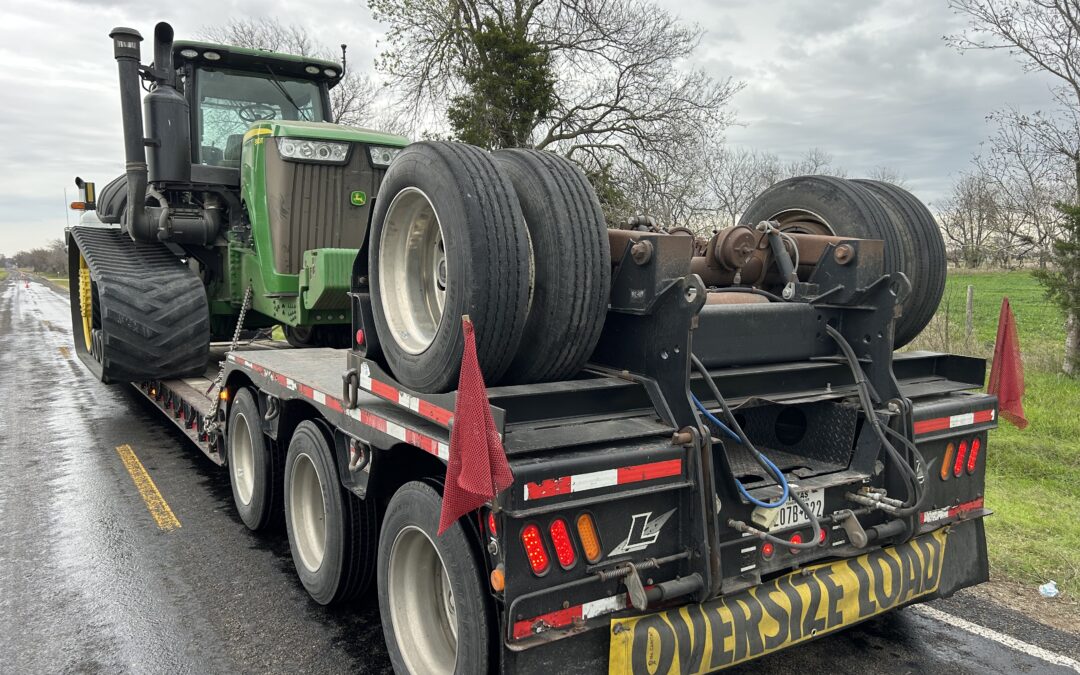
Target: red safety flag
{"points": [[477, 469], [1007, 371]]}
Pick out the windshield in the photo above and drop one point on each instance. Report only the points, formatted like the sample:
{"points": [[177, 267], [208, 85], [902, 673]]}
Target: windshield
{"points": [[230, 100]]}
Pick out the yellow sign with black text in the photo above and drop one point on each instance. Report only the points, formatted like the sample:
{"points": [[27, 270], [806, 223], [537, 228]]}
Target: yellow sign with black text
{"points": [[776, 614]]}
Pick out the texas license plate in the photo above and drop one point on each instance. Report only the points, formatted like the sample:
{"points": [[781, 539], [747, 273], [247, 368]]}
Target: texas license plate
{"points": [[780, 613], [791, 514]]}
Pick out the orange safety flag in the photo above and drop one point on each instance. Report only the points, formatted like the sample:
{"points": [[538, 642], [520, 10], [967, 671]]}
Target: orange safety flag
{"points": [[1007, 371], [477, 469]]}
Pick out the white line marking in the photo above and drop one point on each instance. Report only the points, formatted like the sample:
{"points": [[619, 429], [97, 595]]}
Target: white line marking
{"points": [[1000, 638]]}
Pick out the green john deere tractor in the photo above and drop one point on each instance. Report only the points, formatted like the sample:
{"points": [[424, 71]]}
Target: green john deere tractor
{"points": [[241, 194]]}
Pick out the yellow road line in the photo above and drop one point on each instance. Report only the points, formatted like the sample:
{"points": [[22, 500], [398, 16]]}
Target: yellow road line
{"points": [[155, 503]]}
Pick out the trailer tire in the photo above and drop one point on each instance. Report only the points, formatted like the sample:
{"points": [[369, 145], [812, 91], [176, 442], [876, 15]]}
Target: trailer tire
{"points": [[829, 205], [447, 239], [571, 262], [927, 254], [417, 610], [254, 475], [330, 529]]}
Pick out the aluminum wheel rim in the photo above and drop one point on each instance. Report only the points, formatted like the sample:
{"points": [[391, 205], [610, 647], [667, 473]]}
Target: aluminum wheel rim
{"points": [[413, 273], [307, 512], [422, 605], [802, 221], [242, 463]]}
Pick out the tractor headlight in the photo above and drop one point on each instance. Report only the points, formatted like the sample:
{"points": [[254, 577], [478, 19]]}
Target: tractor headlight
{"points": [[313, 151], [382, 155]]}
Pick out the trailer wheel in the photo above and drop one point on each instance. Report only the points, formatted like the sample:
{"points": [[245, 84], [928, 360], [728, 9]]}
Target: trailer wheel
{"points": [[447, 239], [571, 264], [255, 483], [330, 529], [927, 253], [828, 205], [431, 591]]}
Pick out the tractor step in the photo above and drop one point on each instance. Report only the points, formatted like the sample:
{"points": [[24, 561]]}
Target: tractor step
{"points": [[146, 314]]}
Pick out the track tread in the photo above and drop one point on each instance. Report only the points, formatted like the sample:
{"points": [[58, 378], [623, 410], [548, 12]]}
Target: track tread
{"points": [[155, 320]]}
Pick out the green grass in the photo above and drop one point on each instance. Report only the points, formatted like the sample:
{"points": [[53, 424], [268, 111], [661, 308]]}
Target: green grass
{"points": [[59, 281], [3, 275], [1033, 475]]}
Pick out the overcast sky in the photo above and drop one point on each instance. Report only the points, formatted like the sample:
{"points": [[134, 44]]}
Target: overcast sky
{"points": [[870, 81]]}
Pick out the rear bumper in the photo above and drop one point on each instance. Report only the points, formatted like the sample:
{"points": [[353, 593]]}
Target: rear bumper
{"points": [[964, 563]]}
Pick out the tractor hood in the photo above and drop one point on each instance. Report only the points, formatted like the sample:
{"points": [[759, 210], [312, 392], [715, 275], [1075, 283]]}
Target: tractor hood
{"points": [[325, 131]]}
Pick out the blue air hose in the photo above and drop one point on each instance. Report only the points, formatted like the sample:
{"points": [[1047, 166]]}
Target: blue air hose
{"points": [[779, 475]]}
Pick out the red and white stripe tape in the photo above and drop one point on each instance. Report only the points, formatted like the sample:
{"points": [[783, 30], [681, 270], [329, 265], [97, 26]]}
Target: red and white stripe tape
{"points": [[594, 480], [954, 421], [562, 618], [365, 417], [389, 392]]}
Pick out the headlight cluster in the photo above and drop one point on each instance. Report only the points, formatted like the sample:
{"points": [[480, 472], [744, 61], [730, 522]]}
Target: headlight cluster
{"points": [[382, 155], [315, 151]]}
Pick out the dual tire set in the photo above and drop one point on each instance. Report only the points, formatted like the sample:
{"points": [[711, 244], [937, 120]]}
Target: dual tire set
{"points": [[515, 239], [867, 209]]}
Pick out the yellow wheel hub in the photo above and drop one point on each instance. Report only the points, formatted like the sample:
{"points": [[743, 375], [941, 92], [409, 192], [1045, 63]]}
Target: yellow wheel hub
{"points": [[86, 308]]}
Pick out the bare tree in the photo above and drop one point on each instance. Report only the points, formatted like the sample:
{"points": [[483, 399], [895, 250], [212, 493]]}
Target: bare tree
{"points": [[737, 176], [625, 92], [888, 174], [351, 100], [1044, 36], [968, 217], [814, 162]]}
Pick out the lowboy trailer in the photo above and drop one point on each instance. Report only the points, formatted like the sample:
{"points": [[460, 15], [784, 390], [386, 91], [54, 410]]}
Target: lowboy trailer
{"points": [[717, 451], [625, 543]]}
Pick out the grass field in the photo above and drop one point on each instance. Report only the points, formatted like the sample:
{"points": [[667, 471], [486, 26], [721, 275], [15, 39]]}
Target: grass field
{"points": [[3, 275], [59, 281], [1033, 476]]}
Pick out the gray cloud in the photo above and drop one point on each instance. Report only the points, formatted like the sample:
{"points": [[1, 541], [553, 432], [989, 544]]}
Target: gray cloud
{"points": [[870, 81]]}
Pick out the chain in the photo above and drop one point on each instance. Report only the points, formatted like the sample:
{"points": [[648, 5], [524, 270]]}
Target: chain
{"points": [[212, 425]]}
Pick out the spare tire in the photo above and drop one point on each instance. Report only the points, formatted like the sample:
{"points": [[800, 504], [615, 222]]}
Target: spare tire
{"points": [[828, 205], [447, 239], [571, 258], [927, 255]]}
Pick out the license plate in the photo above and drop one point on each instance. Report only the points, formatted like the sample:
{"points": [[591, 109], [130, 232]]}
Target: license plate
{"points": [[791, 514], [783, 612]]}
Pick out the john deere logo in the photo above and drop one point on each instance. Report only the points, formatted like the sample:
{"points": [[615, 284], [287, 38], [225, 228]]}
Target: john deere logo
{"points": [[358, 198]]}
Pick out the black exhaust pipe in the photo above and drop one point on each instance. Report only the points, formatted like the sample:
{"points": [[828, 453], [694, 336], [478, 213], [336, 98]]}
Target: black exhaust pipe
{"points": [[167, 120], [136, 221]]}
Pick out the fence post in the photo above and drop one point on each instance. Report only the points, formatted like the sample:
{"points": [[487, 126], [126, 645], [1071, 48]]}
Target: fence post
{"points": [[970, 325]]}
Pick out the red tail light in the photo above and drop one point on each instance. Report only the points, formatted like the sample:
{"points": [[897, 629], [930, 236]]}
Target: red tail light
{"points": [[961, 452], [823, 536], [491, 524], [534, 549], [976, 445], [564, 546], [767, 550]]}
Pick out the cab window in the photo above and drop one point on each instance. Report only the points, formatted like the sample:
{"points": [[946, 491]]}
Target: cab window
{"points": [[231, 101]]}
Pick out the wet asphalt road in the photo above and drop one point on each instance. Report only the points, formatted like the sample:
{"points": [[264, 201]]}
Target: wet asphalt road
{"points": [[89, 583]]}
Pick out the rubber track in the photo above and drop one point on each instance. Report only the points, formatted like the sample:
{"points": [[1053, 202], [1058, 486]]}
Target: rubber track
{"points": [[155, 321]]}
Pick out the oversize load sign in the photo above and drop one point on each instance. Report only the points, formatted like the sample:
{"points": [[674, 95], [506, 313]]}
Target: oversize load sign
{"points": [[777, 614]]}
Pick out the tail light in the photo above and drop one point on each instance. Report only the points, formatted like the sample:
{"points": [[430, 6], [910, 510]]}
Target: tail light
{"points": [[534, 549], [590, 540], [796, 539], [491, 524], [976, 445], [958, 466], [946, 461], [564, 546], [767, 550]]}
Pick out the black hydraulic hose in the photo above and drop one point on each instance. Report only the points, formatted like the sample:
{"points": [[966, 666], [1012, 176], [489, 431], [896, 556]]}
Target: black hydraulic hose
{"points": [[756, 454], [916, 495], [748, 289]]}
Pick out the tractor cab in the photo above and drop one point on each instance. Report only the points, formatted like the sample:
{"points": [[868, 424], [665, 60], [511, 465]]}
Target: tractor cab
{"points": [[228, 89]]}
